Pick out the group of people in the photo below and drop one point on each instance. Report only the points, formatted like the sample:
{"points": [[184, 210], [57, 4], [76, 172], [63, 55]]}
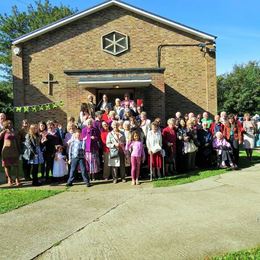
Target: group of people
{"points": [[120, 140]]}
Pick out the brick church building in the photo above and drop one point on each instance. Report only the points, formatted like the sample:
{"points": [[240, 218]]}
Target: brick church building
{"points": [[115, 48]]}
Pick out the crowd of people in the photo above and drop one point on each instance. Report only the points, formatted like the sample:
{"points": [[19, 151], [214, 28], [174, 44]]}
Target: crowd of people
{"points": [[120, 140]]}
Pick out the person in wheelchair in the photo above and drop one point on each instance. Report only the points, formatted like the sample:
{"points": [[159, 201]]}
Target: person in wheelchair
{"points": [[224, 152]]}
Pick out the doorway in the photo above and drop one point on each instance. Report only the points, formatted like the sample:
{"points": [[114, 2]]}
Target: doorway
{"points": [[112, 94]]}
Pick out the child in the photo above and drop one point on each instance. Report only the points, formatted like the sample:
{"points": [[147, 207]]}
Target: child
{"points": [[224, 151], [59, 167], [137, 154], [154, 146], [77, 157]]}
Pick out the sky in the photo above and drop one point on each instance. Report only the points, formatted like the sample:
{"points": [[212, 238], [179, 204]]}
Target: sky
{"points": [[236, 23]]}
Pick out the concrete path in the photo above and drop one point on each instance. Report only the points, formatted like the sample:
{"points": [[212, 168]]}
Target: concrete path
{"points": [[192, 221]]}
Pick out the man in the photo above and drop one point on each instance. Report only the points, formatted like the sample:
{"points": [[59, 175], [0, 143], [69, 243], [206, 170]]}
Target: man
{"points": [[206, 119], [91, 106]]}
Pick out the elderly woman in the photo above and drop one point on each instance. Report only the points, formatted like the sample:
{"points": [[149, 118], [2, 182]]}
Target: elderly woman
{"points": [[105, 149], [232, 133], [10, 152], [116, 144], [91, 137], [249, 135], [117, 107], [224, 151], [169, 145]]}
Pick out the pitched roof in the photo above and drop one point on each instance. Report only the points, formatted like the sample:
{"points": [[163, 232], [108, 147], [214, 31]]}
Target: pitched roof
{"points": [[107, 4]]}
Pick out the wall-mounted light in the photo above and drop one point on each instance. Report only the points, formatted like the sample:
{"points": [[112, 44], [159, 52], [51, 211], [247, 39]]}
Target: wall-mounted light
{"points": [[116, 86], [17, 50]]}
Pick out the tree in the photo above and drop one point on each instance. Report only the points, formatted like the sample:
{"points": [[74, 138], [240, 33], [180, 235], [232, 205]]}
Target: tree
{"points": [[17, 24], [239, 91]]}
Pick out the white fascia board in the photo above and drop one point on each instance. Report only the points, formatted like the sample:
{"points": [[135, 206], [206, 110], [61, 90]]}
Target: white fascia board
{"points": [[147, 81], [62, 22]]}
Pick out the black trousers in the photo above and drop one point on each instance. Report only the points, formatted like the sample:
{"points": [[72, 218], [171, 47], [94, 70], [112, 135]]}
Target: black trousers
{"points": [[26, 169], [35, 168], [49, 165]]}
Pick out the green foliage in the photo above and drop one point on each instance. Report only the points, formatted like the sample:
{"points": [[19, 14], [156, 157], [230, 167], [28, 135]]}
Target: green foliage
{"points": [[12, 199], [239, 91], [241, 255], [18, 23], [14, 25]]}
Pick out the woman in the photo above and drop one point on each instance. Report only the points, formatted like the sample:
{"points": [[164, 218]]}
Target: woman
{"points": [[10, 152], [49, 140], [33, 153], [117, 107], [182, 138], [145, 123], [42, 131], [190, 146], [205, 146], [116, 144], [104, 103], [105, 149], [91, 137], [21, 138], [154, 146], [249, 135], [169, 145], [232, 133]]}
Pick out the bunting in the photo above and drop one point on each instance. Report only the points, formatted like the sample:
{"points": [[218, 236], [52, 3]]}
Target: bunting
{"points": [[33, 108]]}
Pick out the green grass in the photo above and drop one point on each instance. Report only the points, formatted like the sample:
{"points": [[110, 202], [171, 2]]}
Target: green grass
{"points": [[12, 199], [202, 174], [240, 255]]}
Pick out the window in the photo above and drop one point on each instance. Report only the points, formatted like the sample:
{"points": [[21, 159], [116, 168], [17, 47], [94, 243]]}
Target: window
{"points": [[115, 43]]}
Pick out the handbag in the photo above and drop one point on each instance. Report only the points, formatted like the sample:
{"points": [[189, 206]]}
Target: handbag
{"points": [[190, 147], [113, 153]]}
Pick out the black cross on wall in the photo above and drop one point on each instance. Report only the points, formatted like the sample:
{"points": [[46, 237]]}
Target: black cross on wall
{"points": [[50, 83]]}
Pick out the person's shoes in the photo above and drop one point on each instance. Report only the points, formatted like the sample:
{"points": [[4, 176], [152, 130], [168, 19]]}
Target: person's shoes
{"points": [[115, 181], [124, 180], [88, 185], [133, 182], [137, 182], [234, 167], [69, 184]]}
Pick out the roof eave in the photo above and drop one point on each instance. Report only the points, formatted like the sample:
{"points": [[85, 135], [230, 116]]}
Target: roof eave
{"points": [[104, 5]]}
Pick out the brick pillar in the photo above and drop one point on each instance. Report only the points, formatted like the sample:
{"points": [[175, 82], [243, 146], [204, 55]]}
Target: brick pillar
{"points": [[155, 98]]}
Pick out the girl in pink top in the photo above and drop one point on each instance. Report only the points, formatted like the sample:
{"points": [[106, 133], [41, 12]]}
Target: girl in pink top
{"points": [[137, 154]]}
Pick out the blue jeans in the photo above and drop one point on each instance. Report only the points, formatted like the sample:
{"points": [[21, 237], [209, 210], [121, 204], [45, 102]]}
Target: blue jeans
{"points": [[74, 164]]}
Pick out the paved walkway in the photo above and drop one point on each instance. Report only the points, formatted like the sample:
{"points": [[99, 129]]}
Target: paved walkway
{"points": [[191, 221]]}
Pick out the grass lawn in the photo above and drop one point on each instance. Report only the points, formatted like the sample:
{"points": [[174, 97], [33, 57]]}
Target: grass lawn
{"points": [[15, 198], [240, 255], [202, 174]]}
